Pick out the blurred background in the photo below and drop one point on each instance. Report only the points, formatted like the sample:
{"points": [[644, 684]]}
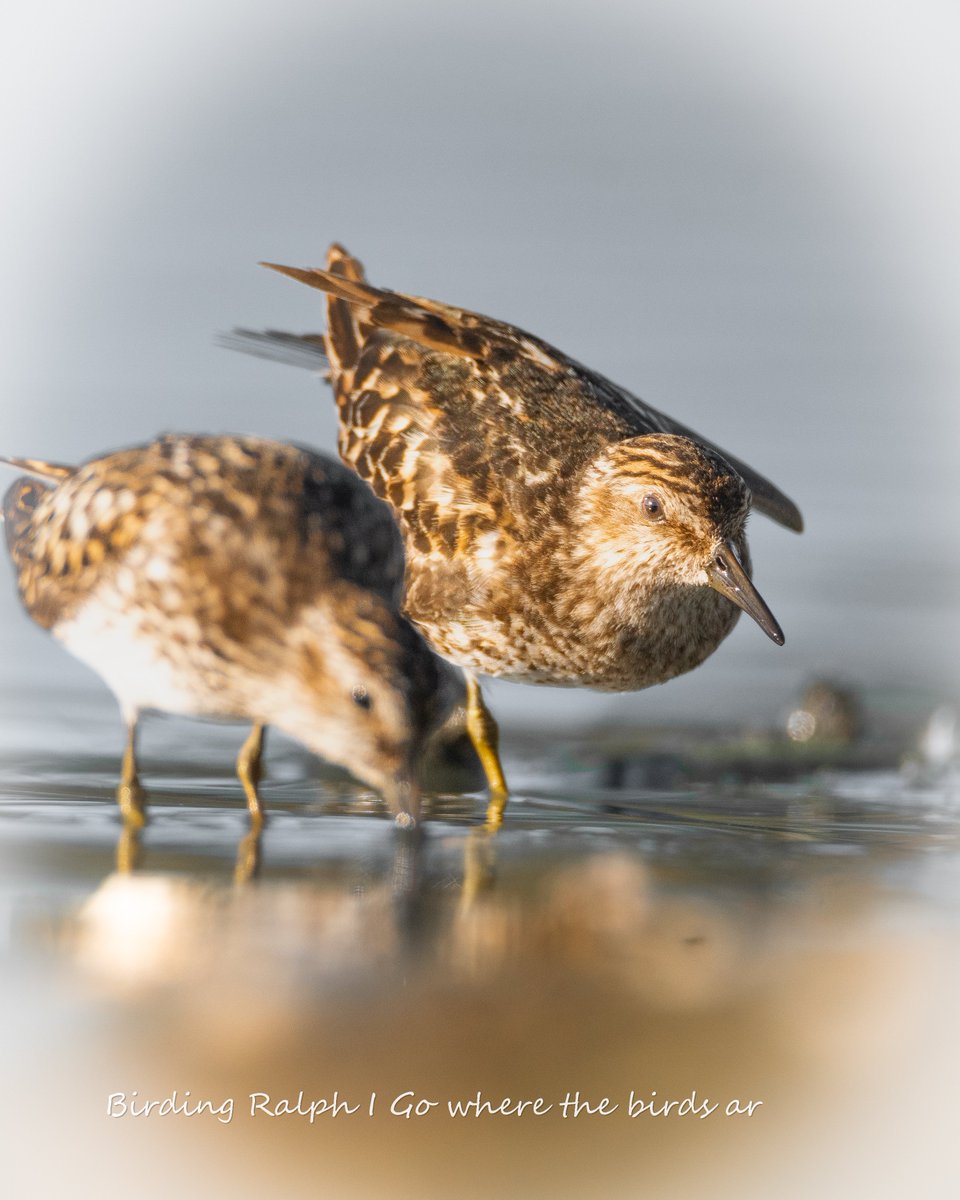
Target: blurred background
{"points": [[744, 212]]}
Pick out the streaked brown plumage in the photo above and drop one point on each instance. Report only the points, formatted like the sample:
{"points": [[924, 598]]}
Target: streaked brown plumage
{"points": [[235, 577], [558, 530]]}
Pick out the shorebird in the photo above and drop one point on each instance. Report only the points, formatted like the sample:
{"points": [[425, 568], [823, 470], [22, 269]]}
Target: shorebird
{"points": [[558, 530], [241, 578]]}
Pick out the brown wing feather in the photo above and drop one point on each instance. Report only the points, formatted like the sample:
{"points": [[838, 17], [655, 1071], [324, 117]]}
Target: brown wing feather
{"points": [[414, 413], [523, 377], [275, 503]]}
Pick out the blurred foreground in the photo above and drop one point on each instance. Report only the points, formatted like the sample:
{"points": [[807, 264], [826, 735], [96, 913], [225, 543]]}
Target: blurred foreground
{"points": [[645, 929]]}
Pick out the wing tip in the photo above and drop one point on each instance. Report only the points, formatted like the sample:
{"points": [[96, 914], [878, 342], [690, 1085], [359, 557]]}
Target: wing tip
{"points": [[779, 508]]}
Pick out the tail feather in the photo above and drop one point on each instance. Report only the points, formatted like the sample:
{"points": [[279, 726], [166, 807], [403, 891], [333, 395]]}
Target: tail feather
{"points": [[353, 291], [38, 468], [296, 349], [350, 304], [434, 325]]}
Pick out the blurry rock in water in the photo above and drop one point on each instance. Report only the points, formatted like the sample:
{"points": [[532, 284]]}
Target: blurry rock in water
{"points": [[938, 744], [936, 748], [828, 711], [649, 772]]}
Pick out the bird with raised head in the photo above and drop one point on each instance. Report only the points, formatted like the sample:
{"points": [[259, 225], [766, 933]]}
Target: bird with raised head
{"points": [[558, 530]]}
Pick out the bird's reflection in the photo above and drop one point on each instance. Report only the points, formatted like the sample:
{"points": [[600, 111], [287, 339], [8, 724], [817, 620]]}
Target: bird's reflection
{"points": [[408, 845], [689, 917], [613, 958], [398, 898], [645, 920], [129, 851]]}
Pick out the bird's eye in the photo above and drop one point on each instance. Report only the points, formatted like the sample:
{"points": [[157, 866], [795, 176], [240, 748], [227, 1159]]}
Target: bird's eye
{"points": [[361, 697], [653, 507]]}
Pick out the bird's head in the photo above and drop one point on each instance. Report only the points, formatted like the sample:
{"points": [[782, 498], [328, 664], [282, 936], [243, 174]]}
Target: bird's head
{"points": [[376, 694], [669, 511]]}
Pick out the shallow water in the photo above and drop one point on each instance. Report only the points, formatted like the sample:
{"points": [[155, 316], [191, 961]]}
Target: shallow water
{"points": [[728, 929]]}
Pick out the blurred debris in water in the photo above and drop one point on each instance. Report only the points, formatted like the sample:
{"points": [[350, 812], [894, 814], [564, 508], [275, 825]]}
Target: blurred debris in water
{"points": [[832, 727]]}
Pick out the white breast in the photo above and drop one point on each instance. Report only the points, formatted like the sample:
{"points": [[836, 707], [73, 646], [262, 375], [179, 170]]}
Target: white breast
{"points": [[112, 640]]}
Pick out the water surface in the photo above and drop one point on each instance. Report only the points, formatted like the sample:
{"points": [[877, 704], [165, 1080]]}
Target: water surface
{"points": [[695, 917]]}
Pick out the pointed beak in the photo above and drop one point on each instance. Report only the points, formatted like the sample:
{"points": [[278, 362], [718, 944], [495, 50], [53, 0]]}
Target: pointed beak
{"points": [[402, 792], [726, 575]]}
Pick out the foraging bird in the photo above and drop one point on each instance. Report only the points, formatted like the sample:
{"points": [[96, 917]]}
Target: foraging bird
{"points": [[234, 577], [557, 529]]}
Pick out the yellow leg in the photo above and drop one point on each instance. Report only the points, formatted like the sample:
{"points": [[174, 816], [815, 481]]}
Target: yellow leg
{"points": [[128, 849], [129, 791], [485, 737], [248, 769], [248, 855]]}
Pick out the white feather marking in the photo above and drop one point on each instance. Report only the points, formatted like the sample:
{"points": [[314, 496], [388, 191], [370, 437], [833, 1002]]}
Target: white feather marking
{"points": [[408, 464], [101, 502], [157, 569], [441, 494], [79, 524], [398, 420], [487, 551], [538, 354], [181, 460]]}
